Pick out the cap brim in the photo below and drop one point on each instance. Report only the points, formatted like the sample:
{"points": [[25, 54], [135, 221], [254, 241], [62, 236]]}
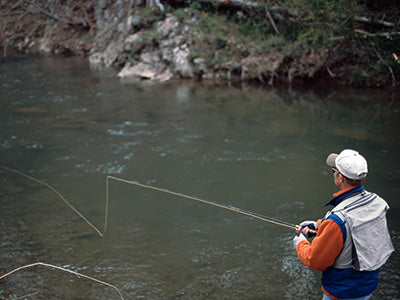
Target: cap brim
{"points": [[330, 160]]}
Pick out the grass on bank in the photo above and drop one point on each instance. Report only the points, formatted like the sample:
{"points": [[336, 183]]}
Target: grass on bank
{"points": [[358, 51]]}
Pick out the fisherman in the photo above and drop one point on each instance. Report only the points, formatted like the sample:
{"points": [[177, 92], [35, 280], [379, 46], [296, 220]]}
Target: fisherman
{"points": [[352, 240]]}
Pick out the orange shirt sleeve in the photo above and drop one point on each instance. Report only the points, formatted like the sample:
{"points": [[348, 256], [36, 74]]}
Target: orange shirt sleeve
{"points": [[325, 247]]}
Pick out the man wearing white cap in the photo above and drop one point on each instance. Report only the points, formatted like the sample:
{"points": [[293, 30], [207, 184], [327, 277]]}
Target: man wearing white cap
{"points": [[352, 240]]}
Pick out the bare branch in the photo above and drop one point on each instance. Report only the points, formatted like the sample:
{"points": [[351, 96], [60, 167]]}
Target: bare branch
{"points": [[57, 18], [231, 3], [369, 20], [388, 35]]}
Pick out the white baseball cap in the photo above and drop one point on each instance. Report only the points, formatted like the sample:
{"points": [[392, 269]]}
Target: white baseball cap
{"points": [[349, 163]]}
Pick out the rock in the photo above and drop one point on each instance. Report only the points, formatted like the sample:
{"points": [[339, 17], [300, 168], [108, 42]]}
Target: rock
{"points": [[164, 76], [132, 39], [45, 45], [170, 37], [121, 27], [200, 67], [150, 58], [133, 43], [166, 49], [168, 26], [181, 63], [111, 53], [107, 57], [140, 70], [96, 58], [132, 22]]}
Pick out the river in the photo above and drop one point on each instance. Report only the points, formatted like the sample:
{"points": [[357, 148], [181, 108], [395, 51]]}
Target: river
{"points": [[258, 149]]}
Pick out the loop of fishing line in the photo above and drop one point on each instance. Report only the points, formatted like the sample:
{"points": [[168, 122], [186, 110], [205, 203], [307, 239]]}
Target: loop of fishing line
{"points": [[224, 206], [79, 275], [58, 194]]}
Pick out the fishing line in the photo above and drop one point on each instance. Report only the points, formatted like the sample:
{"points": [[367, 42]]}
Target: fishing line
{"points": [[224, 206], [228, 207], [64, 270], [61, 196]]}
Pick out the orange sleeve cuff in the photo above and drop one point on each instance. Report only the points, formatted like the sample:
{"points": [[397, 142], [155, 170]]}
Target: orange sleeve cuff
{"points": [[323, 250]]}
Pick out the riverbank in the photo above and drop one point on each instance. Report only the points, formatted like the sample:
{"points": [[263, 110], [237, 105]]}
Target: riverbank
{"points": [[223, 41]]}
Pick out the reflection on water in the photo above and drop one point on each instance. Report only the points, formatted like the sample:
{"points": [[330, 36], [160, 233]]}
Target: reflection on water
{"points": [[258, 149]]}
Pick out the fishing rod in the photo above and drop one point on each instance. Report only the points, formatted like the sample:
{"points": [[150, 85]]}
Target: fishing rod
{"points": [[224, 206]]}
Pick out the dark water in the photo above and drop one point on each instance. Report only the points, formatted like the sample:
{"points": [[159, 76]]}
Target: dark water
{"points": [[258, 149]]}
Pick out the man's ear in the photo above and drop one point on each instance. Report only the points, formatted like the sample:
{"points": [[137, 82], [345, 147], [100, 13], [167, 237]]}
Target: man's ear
{"points": [[342, 178]]}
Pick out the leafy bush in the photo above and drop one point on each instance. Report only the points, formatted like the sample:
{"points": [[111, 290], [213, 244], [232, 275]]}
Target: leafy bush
{"points": [[295, 28]]}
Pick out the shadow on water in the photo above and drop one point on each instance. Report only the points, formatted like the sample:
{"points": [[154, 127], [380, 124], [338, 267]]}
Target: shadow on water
{"points": [[260, 149]]}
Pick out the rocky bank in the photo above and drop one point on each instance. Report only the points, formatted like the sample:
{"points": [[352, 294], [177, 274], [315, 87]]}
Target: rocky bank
{"points": [[144, 43]]}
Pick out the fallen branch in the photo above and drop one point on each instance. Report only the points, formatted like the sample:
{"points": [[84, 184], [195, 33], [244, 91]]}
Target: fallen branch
{"points": [[369, 20], [229, 3], [57, 18], [384, 34], [383, 61], [271, 19], [65, 270], [12, 13]]}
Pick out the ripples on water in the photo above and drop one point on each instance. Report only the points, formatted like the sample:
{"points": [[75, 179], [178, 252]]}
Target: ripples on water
{"points": [[258, 149]]}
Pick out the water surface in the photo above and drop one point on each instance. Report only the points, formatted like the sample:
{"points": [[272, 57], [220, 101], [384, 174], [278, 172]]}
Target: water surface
{"points": [[260, 149]]}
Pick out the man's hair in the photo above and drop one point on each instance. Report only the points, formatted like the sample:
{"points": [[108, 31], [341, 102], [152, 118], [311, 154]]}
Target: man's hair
{"points": [[353, 182]]}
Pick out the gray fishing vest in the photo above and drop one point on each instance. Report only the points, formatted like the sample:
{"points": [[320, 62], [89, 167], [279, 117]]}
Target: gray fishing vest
{"points": [[368, 245]]}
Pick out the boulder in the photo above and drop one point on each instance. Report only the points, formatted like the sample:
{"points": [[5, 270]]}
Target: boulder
{"points": [[111, 53], [133, 43], [96, 58], [164, 76], [140, 70], [181, 63], [168, 26], [150, 58]]}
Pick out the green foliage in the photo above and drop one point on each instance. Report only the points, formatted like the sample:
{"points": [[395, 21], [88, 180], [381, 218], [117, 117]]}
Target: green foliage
{"points": [[392, 65], [149, 39], [271, 43], [152, 13], [10, 296], [358, 77], [192, 56], [210, 34], [316, 22], [180, 14], [196, 6], [303, 26], [253, 25]]}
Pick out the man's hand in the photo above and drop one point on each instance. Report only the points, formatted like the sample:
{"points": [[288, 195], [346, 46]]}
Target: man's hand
{"points": [[305, 226], [298, 238]]}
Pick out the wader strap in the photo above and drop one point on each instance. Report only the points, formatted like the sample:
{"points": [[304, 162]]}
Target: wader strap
{"points": [[340, 222]]}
